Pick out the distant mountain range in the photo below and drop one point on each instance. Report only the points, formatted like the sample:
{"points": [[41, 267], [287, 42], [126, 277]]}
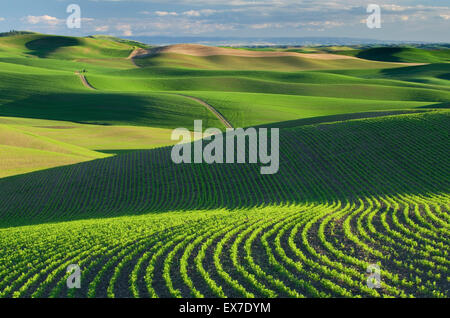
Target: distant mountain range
{"points": [[253, 41]]}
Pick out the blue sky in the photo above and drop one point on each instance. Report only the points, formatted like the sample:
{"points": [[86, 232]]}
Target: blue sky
{"points": [[408, 20]]}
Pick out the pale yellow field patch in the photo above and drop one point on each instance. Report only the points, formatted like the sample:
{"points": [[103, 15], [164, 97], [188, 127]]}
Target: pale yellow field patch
{"points": [[19, 160], [28, 145]]}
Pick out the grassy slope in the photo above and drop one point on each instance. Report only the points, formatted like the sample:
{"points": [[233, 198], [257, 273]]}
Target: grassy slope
{"points": [[21, 160], [318, 93], [93, 137], [61, 96], [324, 77], [63, 47], [249, 109], [155, 110], [14, 136], [23, 151], [31, 144], [348, 87]]}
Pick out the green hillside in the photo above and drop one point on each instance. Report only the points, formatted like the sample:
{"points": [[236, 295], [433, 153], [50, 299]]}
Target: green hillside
{"points": [[424, 128], [63, 47], [155, 110], [348, 87], [249, 109]]}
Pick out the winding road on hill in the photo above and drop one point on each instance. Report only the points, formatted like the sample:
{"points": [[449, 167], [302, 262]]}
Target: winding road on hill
{"points": [[84, 81], [211, 108]]}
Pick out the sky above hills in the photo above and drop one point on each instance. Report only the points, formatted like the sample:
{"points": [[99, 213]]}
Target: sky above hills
{"points": [[402, 20]]}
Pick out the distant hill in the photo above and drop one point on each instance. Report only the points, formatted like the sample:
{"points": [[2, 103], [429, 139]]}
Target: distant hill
{"points": [[13, 32], [120, 40], [64, 47], [219, 58]]}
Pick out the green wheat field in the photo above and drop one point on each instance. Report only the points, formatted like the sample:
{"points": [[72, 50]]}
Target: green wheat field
{"points": [[86, 175]]}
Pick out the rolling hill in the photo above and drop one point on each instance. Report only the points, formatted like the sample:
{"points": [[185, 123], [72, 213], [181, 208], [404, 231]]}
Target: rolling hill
{"points": [[64, 47], [204, 57]]}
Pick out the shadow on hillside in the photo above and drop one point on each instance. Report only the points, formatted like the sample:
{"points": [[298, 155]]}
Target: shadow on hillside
{"points": [[343, 117], [92, 108], [437, 106], [438, 70], [342, 161], [445, 76], [43, 47], [384, 54]]}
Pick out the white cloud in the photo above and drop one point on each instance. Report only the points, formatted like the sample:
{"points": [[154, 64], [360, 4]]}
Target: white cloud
{"points": [[313, 25], [125, 29], [393, 7], [208, 11], [163, 26], [43, 19], [198, 13], [265, 26], [445, 16], [165, 13], [192, 13], [103, 28], [2, 19]]}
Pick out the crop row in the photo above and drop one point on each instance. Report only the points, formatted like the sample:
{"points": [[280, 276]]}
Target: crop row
{"points": [[279, 251]]}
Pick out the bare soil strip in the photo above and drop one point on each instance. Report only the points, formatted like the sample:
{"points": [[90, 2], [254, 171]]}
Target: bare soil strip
{"points": [[211, 108], [137, 52], [84, 81]]}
